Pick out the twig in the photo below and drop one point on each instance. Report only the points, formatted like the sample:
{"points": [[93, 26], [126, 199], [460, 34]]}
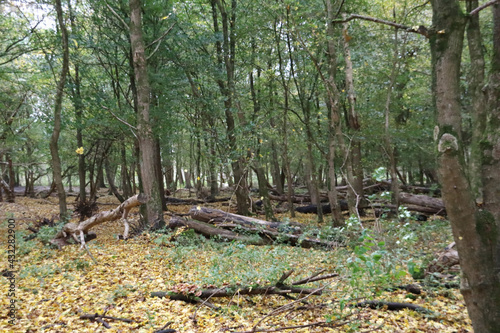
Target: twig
{"points": [[284, 308], [315, 277], [284, 277], [90, 254], [318, 323]]}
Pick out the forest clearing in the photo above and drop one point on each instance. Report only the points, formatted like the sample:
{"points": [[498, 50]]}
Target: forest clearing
{"points": [[250, 165], [56, 288]]}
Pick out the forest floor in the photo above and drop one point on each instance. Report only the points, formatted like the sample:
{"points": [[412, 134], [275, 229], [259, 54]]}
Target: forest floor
{"points": [[55, 287]]}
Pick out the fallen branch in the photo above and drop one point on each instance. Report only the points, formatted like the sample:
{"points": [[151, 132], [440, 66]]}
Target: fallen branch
{"points": [[100, 318], [265, 233], [393, 306], [215, 216], [211, 231], [192, 295], [78, 231]]}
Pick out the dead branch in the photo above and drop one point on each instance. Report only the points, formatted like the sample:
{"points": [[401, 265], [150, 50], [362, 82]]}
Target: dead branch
{"points": [[267, 231], [419, 29], [393, 306], [279, 288], [100, 318], [211, 231], [78, 231], [215, 216]]}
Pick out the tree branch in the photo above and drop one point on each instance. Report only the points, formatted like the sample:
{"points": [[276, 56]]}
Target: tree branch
{"points": [[125, 25], [483, 6], [421, 30]]}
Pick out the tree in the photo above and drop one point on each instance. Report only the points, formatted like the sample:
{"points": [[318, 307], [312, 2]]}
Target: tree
{"points": [[148, 161], [54, 148], [476, 230], [226, 54]]}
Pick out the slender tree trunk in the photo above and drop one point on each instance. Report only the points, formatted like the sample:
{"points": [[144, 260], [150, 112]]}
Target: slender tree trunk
{"points": [[476, 231], [286, 159], [150, 185], [335, 133], [226, 56], [476, 81], [54, 148], [355, 195], [389, 147], [125, 176], [78, 105]]}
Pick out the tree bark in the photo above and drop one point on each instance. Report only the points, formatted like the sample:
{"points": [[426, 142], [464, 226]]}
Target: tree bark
{"points": [[148, 162], [475, 230], [477, 108], [355, 194], [226, 57], [54, 148]]}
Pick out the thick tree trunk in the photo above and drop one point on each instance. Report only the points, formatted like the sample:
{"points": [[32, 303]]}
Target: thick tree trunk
{"points": [[476, 231], [148, 161], [54, 148]]}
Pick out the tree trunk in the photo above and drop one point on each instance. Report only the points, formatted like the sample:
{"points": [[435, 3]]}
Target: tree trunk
{"points": [[78, 105], [389, 147], [226, 57], [110, 175], [355, 194], [264, 193], [54, 148], [475, 230], [125, 176], [150, 185], [335, 132], [476, 82]]}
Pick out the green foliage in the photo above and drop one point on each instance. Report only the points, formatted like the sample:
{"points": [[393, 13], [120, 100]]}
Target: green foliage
{"points": [[46, 233], [371, 265], [39, 271], [24, 247]]}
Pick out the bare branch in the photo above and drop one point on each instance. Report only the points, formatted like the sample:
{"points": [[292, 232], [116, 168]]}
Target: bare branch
{"points": [[125, 25], [422, 30], [132, 127], [158, 40], [483, 6]]}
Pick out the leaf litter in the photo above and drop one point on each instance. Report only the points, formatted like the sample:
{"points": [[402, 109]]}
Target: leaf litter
{"points": [[54, 288]]}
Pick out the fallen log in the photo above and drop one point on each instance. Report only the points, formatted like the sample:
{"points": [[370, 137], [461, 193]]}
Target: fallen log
{"points": [[215, 216], [263, 235], [192, 201], [313, 209], [211, 231], [422, 201], [74, 230]]}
